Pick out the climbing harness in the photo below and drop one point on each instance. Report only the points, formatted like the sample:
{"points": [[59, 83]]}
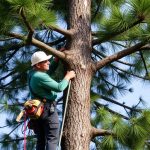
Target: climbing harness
{"points": [[63, 120]]}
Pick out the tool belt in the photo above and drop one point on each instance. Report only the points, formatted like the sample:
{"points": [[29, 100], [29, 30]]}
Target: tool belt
{"points": [[34, 108]]}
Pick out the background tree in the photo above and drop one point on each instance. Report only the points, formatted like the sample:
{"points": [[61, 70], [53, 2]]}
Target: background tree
{"points": [[107, 43]]}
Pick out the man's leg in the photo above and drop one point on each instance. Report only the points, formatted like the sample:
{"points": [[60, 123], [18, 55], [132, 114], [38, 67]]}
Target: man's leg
{"points": [[40, 135], [52, 131]]}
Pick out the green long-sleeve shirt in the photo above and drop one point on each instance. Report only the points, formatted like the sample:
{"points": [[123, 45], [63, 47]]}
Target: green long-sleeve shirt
{"points": [[44, 86]]}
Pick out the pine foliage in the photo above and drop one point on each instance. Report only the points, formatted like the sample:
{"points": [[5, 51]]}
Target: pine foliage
{"points": [[116, 25]]}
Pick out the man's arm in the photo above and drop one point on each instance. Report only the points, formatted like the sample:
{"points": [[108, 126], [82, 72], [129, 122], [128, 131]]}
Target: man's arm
{"points": [[48, 83]]}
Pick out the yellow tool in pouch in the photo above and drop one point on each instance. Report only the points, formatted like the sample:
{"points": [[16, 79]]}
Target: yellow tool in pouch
{"points": [[32, 108]]}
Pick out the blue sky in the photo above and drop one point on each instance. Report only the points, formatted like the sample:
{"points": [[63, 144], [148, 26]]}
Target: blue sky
{"points": [[141, 89]]}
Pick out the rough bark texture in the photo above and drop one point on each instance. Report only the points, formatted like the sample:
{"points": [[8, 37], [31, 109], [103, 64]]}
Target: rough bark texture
{"points": [[77, 128]]}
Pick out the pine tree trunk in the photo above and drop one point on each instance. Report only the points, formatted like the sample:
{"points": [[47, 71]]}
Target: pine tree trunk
{"points": [[77, 128]]}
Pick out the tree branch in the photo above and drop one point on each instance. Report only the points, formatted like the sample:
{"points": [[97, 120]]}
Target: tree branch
{"points": [[147, 46], [5, 39], [104, 56], [117, 103], [6, 76], [17, 139], [112, 35], [57, 41], [117, 68], [99, 132], [16, 47], [61, 31], [12, 105], [144, 63], [44, 46], [12, 131], [31, 30], [40, 45], [116, 56], [13, 80], [97, 9], [111, 111], [13, 46]]}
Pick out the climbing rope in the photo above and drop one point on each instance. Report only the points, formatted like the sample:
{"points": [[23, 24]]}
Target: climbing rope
{"points": [[63, 120], [25, 140]]}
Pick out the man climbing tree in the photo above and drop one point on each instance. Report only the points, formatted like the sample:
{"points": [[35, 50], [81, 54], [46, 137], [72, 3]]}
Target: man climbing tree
{"points": [[43, 87], [97, 35]]}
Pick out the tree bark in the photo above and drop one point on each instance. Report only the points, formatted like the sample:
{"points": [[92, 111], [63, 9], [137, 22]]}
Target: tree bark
{"points": [[77, 127]]}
